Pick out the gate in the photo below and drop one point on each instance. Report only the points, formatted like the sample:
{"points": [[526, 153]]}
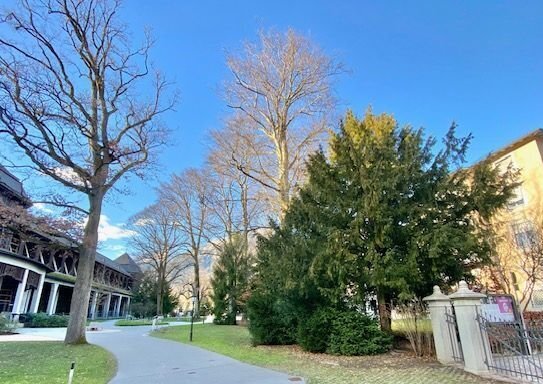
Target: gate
{"points": [[512, 349], [452, 330]]}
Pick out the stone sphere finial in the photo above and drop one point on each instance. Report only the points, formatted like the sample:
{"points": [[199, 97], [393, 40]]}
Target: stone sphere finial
{"points": [[463, 292], [437, 295]]}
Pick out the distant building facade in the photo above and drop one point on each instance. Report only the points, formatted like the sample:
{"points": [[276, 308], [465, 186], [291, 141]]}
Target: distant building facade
{"points": [[38, 271], [519, 226]]}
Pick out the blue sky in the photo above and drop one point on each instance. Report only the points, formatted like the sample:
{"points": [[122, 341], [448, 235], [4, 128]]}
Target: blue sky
{"points": [[479, 63]]}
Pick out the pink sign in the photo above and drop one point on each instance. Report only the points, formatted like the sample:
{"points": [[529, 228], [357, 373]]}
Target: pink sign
{"points": [[505, 304]]}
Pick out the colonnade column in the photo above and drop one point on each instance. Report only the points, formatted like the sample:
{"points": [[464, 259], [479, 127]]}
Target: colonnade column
{"points": [[18, 303], [108, 303], [53, 298], [93, 304], [37, 296], [117, 309]]}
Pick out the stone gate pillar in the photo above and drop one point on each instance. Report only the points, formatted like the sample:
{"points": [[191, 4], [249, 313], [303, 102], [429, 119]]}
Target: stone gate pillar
{"points": [[439, 306], [466, 304]]}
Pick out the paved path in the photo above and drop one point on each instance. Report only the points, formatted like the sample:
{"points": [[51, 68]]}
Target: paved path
{"points": [[143, 359], [148, 360]]}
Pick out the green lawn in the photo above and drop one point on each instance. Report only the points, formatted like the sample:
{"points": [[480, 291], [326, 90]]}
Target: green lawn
{"points": [[395, 367], [131, 323], [402, 325], [48, 362]]}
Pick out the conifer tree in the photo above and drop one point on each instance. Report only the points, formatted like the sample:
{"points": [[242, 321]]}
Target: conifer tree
{"points": [[383, 214], [230, 281]]}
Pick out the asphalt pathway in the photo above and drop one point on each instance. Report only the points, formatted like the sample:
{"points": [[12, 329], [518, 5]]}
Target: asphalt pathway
{"points": [[143, 359]]}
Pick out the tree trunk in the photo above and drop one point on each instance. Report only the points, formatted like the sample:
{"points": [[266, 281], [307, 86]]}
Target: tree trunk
{"points": [[232, 309], [284, 182], [384, 313], [245, 213], [75, 334], [158, 301], [196, 289]]}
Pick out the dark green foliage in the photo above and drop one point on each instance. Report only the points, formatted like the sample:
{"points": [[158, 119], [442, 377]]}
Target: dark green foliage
{"points": [[354, 334], [145, 297], [230, 281], [271, 321], [314, 332], [385, 214], [43, 320]]}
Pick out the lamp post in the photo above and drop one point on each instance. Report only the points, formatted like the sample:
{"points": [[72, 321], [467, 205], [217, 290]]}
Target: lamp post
{"points": [[193, 299]]}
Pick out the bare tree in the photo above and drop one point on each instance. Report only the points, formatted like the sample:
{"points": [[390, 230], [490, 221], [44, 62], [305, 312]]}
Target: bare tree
{"points": [[517, 260], [237, 207], [281, 90], [160, 245], [187, 196], [68, 101]]}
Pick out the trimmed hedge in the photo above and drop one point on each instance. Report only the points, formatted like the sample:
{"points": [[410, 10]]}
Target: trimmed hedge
{"points": [[43, 320]]}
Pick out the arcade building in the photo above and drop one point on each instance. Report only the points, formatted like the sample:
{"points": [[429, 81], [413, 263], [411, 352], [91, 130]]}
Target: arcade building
{"points": [[38, 271]]}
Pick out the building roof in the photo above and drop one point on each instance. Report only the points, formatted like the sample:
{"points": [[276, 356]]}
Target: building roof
{"points": [[538, 133], [111, 263], [12, 185], [128, 264]]}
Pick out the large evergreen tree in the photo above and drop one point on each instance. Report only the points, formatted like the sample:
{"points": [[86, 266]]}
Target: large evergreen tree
{"points": [[384, 213]]}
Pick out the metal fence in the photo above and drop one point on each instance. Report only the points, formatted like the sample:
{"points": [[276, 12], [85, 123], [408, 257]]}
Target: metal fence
{"points": [[452, 328], [512, 349]]}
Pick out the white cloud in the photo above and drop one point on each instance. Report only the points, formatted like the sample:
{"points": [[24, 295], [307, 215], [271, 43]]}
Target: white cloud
{"points": [[69, 175], [113, 250], [42, 208], [109, 231]]}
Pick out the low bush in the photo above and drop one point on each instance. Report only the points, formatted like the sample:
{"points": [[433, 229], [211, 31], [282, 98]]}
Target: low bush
{"points": [[6, 325], [314, 332], [353, 334], [43, 320]]}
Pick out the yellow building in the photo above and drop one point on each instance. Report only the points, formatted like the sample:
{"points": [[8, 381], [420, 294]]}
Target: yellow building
{"points": [[518, 228]]}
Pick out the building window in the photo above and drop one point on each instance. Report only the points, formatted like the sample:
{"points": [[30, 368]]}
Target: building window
{"points": [[524, 235], [537, 298], [516, 199]]}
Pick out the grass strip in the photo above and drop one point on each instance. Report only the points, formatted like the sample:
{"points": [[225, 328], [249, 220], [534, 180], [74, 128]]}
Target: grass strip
{"points": [[133, 323], [48, 362]]}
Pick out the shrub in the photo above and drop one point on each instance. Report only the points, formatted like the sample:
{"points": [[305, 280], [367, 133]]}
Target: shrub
{"points": [[414, 324], [43, 320], [314, 332], [271, 321], [354, 334], [6, 325]]}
